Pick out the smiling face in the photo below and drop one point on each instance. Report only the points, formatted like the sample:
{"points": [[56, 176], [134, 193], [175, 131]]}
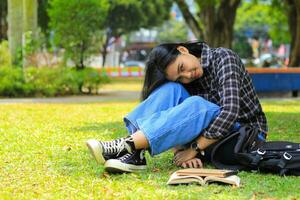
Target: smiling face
{"points": [[185, 69]]}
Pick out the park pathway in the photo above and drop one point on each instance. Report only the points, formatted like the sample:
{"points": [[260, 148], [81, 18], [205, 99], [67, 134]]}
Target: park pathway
{"points": [[110, 96], [104, 96]]}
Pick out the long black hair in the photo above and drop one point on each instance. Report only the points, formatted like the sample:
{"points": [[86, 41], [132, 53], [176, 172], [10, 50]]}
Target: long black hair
{"points": [[158, 60]]}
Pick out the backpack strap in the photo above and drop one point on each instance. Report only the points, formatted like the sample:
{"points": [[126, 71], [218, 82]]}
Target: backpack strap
{"points": [[284, 163], [257, 157], [285, 158], [232, 151], [251, 159], [223, 150]]}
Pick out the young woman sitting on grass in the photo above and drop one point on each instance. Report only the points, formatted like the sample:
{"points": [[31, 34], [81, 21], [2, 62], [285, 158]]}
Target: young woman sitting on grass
{"points": [[192, 96]]}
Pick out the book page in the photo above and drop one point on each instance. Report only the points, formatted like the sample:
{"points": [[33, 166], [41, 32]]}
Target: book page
{"points": [[175, 179], [233, 180]]}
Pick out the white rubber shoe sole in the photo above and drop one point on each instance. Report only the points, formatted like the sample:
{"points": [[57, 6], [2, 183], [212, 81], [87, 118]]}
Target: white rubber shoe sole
{"points": [[116, 166], [96, 150]]}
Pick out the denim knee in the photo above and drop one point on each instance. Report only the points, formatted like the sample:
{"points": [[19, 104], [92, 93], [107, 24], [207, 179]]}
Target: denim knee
{"points": [[199, 103], [171, 89], [178, 125]]}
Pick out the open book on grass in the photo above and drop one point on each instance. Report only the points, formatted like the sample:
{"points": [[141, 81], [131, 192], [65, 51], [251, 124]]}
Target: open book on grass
{"points": [[204, 176]]}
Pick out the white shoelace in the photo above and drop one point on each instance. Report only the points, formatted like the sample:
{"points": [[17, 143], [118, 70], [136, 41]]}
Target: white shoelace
{"points": [[115, 146], [123, 158]]}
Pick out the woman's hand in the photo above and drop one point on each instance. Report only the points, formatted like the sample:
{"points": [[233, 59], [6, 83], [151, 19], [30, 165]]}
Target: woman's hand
{"points": [[193, 163], [182, 156]]}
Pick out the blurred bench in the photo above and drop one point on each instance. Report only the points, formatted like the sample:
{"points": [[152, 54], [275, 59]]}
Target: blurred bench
{"points": [[276, 80], [122, 71]]}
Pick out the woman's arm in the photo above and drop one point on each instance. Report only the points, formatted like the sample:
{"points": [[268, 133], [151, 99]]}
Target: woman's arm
{"points": [[205, 142], [228, 78]]}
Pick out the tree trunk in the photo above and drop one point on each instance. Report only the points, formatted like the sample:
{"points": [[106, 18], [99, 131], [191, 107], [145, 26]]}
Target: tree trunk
{"points": [[15, 29], [190, 19], [3, 21], [294, 26], [22, 17], [104, 54], [29, 29], [104, 47], [214, 23], [81, 61], [30, 15], [219, 22]]}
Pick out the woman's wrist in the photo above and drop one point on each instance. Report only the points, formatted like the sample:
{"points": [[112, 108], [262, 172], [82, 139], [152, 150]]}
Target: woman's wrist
{"points": [[204, 142], [197, 148]]}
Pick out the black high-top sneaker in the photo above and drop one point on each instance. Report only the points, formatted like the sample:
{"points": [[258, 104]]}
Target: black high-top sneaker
{"points": [[130, 162], [104, 150]]}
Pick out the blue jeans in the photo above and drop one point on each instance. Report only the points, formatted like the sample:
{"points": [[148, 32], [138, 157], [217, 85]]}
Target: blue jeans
{"points": [[170, 117]]}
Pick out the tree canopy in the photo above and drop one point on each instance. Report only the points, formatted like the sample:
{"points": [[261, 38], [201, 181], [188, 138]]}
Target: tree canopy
{"points": [[125, 16], [85, 27], [172, 31], [76, 25], [263, 19]]}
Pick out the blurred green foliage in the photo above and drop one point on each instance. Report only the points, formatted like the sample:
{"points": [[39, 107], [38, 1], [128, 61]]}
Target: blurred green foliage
{"points": [[4, 53], [48, 81], [43, 17], [241, 45], [11, 82], [77, 26], [264, 19], [125, 16], [172, 31]]}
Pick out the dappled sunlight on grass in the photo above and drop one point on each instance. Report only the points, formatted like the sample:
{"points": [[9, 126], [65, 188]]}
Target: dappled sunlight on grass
{"points": [[124, 84], [286, 106]]}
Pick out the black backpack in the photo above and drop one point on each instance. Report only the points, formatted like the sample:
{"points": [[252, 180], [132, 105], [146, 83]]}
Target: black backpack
{"points": [[242, 150]]}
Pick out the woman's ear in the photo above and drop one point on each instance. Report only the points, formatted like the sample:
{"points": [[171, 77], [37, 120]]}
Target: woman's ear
{"points": [[182, 49]]}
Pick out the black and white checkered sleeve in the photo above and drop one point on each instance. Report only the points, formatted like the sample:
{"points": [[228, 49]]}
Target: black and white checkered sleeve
{"points": [[228, 73]]}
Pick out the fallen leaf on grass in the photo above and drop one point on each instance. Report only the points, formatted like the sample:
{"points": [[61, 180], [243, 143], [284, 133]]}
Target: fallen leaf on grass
{"points": [[107, 190], [155, 170], [105, 175], [67, 148], [217, 191], [255, 194]]}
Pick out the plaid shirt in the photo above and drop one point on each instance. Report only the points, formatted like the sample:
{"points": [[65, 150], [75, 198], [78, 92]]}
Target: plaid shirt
{"points": [[226, 83]]}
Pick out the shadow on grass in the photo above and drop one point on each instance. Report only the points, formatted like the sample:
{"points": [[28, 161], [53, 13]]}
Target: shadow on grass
{"points": [[108, 130], [282, 126], [79, 162], [76, 159]]}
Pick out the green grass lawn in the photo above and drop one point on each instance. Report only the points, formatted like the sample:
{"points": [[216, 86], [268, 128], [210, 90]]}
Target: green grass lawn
{"points": [[117, 83], [43, 156]]}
